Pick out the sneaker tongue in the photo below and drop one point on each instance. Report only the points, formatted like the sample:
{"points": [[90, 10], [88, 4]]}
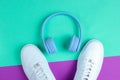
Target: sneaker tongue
{"points": [[87, 68]]}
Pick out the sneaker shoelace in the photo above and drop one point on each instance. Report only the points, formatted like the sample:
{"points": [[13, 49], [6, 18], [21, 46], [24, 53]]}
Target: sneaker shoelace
{"points": [[40, 72], [88, 67]]}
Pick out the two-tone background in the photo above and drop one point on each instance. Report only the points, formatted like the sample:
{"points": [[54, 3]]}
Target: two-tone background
{"points": [[20, 24]]}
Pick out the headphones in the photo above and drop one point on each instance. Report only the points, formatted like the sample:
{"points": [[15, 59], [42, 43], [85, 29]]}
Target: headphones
{"points": [[49, 43]]}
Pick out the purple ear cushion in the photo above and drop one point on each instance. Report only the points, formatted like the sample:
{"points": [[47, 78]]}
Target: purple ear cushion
{"points": [[50, 46], [74, 44]]}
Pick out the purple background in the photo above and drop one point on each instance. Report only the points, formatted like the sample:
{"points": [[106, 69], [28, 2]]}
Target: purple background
{"points": [[65, 70]]}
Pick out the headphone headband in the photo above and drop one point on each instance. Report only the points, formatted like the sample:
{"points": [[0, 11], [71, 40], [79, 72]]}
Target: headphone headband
{"points": [[57, 14]]}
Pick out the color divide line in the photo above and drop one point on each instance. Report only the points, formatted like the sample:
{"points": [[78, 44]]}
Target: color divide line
{"points": [[65, 70]]}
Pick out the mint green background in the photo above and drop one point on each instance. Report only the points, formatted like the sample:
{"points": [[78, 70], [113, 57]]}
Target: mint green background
{"points": [[20, 24]]}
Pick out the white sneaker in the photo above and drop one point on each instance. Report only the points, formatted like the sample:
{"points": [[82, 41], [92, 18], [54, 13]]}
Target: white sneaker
{"points": [[90, 61], [35, 64]]}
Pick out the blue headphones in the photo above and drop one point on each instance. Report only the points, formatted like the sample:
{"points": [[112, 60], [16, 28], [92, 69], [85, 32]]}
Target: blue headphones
{"points": [[49, 43]]}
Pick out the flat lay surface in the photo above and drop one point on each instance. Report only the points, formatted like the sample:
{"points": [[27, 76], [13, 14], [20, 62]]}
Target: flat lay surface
{"points": [[20, 24]]}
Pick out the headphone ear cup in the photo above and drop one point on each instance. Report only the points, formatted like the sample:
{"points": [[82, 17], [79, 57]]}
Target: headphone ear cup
{"points": [[50, 46], [74, 44]]}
